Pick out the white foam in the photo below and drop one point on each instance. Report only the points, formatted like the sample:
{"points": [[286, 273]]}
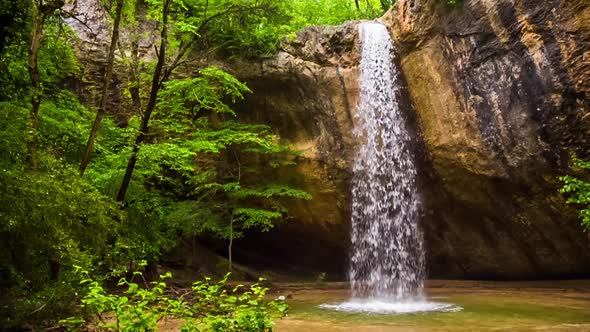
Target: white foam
{"points": [[388, 307]]}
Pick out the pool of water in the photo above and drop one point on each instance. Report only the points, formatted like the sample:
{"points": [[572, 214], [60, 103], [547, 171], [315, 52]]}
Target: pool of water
{"points": [[472, 306]]}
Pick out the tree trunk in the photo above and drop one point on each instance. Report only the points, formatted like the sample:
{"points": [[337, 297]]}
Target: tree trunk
{"points": [[43, 10], [105, 88], [134, 73], [134, 66], [356, 2], [231, 221], [231, 242], [156, 84], [35, 87]]}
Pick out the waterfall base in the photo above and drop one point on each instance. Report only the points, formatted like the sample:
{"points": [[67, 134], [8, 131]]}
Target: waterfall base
{"points": [[384, 306]]}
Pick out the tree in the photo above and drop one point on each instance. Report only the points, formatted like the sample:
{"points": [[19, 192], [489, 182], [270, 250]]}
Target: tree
{"points": [[187, 30], [223, 164], [105, 88], [44, 9], [156, 85], [50, 219]]}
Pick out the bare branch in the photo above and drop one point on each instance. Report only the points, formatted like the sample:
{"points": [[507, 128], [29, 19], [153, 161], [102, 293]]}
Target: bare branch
{"points": [[75, 17]]}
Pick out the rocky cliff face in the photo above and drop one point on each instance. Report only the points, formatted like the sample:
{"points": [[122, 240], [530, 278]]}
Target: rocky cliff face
{"points": [[501, 92], [308, 93], [498, 93]]}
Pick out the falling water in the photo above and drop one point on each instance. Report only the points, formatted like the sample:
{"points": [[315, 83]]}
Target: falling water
{"points": [[387, 253], [387, 263]]}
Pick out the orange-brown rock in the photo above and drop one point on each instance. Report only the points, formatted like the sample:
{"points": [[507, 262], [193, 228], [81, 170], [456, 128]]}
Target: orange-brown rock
{"points": [[499, 95]]}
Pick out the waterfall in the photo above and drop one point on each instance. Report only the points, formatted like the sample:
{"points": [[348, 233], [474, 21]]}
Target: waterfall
{"points": [[387, 270], [387, 258]]}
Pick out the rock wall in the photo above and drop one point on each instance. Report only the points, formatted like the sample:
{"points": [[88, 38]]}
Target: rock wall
{"points": [[497, 93], [500, 94], [308, 93]]}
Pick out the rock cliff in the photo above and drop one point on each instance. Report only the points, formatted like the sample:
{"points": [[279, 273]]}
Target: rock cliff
{"points": [[497, 93]]}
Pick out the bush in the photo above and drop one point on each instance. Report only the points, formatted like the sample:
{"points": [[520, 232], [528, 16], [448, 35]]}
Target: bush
{"points": [[206, 307]]}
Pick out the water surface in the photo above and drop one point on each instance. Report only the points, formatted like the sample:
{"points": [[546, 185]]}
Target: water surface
{"points": [[487, 306]]}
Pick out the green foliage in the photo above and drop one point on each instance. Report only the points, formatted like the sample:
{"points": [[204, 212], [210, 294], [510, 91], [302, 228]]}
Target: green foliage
{"points": [[578, 191], [14, 20], [57, 61], [213, 166], [138, 309], [207, 307], [236, 310], [254, 28], [49, 220], [206, 92], [62, 219], [52, 219], [200, 171], [311, 12]]}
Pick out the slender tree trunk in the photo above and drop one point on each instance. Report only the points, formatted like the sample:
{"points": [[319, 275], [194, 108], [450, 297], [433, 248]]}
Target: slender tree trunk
{"points": [[43, 10], [356, 2], [105, 88], [231, 221], [231, 242], [134, 90], [133, 63], [156, 84], [134, 71], [35, 87]]}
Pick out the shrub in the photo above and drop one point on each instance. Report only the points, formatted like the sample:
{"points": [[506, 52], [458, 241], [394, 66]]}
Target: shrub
{"points": [[206, 307]]}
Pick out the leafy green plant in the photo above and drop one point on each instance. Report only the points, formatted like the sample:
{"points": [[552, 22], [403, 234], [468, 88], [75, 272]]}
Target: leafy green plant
{"points": [[255, 28], [236, 310], [208, 172], [206, 307], [199, 171], [49, 220], [578, 191]]}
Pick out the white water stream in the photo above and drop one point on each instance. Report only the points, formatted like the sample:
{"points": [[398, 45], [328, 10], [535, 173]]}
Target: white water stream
{"points": [[387, 270]]}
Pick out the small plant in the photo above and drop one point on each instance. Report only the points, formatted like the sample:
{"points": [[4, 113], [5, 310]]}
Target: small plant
{"points": [[206, 307], [578, 191]]}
